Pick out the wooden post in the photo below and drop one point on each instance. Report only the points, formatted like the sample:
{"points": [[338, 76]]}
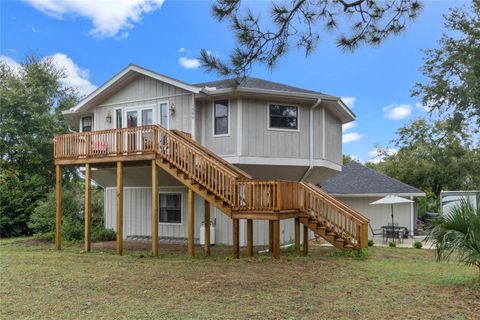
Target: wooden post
{"points": [[270, 236], [154, 209], [249, 237], [119, 208], [305, 240], [207, 228], [364, 235], [191, 223], [58, 207], [235, 239], [276, 239], [297, 235], [88, 197]]}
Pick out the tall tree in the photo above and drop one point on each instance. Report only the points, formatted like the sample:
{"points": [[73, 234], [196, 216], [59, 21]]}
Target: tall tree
{"points": [[30, 100], [453, 69], [433, 157], [299, 23]]}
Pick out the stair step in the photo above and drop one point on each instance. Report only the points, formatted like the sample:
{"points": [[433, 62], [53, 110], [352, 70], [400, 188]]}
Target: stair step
{"points": [[340, 240]]}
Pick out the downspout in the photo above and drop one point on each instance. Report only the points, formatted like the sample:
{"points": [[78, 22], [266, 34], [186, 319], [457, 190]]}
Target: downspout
{"points": [[194, 128], [310, 168]]}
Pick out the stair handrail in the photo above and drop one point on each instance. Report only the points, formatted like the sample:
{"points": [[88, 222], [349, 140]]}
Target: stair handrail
{"points": [[185, 137]]}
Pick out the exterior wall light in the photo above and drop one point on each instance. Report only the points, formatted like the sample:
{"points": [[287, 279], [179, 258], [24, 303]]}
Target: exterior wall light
{"points": [[109, 117], [172, 109]]}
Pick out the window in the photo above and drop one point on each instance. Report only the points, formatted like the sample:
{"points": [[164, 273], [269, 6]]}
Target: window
{"points": [[87, 124], [220, 115], [147, 117], [170, 207], [118, 117], [164, 115], [283, 117]]}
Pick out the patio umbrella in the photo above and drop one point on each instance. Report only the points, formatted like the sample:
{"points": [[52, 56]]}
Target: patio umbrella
{"points": [[391, 200]]}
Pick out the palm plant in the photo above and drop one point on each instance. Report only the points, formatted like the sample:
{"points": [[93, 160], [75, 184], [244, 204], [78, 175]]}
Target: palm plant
{"points": [[458, 232]]}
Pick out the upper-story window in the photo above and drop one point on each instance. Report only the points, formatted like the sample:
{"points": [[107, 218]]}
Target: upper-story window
{"points": [[87, 123], [220, 116], [283, 117]]}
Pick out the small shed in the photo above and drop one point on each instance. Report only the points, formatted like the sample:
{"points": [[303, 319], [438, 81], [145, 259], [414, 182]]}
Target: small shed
{"points": [[358, 186]]}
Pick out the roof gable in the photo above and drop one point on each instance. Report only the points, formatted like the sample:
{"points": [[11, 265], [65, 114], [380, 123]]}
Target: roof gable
{"points": [[357, 179], [130, 73]]}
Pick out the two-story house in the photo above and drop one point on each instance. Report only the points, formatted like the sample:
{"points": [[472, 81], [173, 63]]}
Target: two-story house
{"points": [[244, 154]]}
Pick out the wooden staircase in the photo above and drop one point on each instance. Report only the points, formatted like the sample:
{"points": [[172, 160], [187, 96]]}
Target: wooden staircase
{"points": [[222, 184]]}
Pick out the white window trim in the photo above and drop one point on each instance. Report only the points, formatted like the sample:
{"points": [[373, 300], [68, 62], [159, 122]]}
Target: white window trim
{"points": [[80, 127], [139, 115], [281, 129], [181, 209], [115, 117], [159, 110], [228, 119]]}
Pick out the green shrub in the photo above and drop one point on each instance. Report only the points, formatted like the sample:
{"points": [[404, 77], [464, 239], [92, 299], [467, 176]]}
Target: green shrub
{"points": [[102, 234], [392, 244], [42, 220], [47, 236], [371, 243], [418, 244], [357, 254]]}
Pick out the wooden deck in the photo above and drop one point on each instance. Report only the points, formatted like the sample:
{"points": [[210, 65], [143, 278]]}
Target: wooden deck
{"points": [[223, 185]]}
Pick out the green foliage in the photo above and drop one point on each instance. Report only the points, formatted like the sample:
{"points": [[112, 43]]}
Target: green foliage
{"points": [[453, 70], [347, 159], [458, 232], [30, 101], [47, 236], [418, 244], [356, 254], [370, 243], [433, 157], [42, 221], [392, 244]]}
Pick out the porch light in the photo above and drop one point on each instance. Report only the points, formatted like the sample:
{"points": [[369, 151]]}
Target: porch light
{"points": [[172, 109], [109, 117]]}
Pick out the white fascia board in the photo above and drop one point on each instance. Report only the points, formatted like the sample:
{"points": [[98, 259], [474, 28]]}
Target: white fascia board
{"points": [[349, 115], [280, 161], [121, 74], [372, 195]]}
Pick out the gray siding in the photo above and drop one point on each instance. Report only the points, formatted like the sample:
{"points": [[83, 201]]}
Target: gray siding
{"points": [[222, 145], [259, 141], [145, 91], [333, 138]]}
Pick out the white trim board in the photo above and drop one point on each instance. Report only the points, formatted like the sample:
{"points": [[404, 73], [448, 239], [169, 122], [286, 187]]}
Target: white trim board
{"points": [[375, 195], [280, 161]]}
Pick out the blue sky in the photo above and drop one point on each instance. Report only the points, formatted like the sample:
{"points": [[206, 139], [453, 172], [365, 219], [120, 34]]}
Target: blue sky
{"points": [[94, 40]]}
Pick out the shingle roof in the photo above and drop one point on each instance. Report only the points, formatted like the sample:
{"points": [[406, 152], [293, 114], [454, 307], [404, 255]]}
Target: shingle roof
{"points": [[254, 83], [358, 179]]}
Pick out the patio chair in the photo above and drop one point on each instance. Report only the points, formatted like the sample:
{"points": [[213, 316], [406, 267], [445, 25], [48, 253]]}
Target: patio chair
{"points": [[378, 232]]}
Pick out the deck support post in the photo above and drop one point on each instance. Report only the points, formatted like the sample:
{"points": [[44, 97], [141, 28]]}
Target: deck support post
{"points": [[191, 223], [88, 215], [207, 228], [58, 207], [154, 209], [250, 237], [270, 236], [305, 240], [235, 239], [119, 208], [297, 235], [276, 239]]}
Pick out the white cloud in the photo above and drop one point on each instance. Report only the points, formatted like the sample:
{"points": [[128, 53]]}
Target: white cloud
{"points": [[376, 157], [189, 63], [422, 107], [12, 64], [349, 101], [182, 49], [348, 126], [75, 76], [109, 19], [397, 111], [351, 137]]}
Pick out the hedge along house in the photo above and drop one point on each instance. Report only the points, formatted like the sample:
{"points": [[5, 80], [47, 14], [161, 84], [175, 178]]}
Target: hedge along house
{"points": [[243, 153], [357, 186]]}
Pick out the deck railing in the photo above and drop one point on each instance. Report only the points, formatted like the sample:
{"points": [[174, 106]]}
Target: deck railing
{"points": [[230, 184], [335, 215]]}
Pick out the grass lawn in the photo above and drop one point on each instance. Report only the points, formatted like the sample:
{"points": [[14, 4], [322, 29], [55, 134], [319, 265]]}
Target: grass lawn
{"points": [[38, 282]]}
